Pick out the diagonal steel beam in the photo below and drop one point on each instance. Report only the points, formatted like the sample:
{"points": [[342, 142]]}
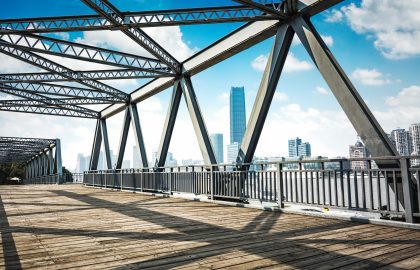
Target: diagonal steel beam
{"points": [[169, 125], [265, 93], [44, 63], [96, 147], [78, 51], [123, 139], [198, 121], [104, 134], [113, 15], [138, 135], [37, 77], [344, 91]]}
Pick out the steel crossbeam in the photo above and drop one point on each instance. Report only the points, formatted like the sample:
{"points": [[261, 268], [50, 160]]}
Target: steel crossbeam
{"points": [[113, 15], [78, 51], [135, 20], [86, 75], [47, 64]]}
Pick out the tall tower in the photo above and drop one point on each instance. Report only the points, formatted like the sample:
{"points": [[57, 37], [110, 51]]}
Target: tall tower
{"points": [[401, 139], [237, 114], [415, 139], [294, 147], [217, 142]]}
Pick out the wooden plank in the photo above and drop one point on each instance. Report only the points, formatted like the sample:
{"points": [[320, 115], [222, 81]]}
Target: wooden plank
{"points": [[69, 226]]}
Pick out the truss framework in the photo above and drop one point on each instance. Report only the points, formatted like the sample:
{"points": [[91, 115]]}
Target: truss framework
{"points": [[282, 19]]}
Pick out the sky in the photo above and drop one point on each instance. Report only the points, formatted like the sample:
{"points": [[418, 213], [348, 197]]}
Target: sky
{"points": [[376, 48]]}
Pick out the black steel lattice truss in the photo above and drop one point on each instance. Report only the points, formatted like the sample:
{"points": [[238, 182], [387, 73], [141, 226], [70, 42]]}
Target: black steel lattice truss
{"points": [[37, 93]]}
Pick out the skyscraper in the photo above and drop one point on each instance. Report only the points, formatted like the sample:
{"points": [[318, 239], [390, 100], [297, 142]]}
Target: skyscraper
{"points": [[217, 142], [81, 163], [402, 141], [299, 149], [293, 146], [136, 158], [232, 152], [415, 139], [237, 114], [304, 150]]}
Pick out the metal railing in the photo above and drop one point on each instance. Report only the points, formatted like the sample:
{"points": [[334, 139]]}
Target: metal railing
{"points": [[327, 183], [56, 179]]}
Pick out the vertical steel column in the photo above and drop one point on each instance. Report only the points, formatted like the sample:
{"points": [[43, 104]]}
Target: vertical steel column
{"points": [[123, 138], [96, 147], [44, 163], [346, 94], [58, 161], [198, 121], [38, 164], [168, 126], [265, 93], [51, 161], [407, 186], [104, 132], [138, 136]]}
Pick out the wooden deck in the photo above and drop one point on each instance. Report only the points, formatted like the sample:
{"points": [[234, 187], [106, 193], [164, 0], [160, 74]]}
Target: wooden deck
{"points": [[70, 226]]}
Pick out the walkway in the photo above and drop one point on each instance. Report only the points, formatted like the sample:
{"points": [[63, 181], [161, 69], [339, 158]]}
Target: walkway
{"points": [[70, 226]]}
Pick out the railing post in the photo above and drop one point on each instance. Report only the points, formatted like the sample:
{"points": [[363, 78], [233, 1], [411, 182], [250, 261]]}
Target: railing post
{"points": [[211, 184], [121, 186], [279, 183], [170, 181], [407, 189]]}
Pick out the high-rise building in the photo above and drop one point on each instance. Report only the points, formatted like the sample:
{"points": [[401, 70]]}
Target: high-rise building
{"points": [[87, 162], [358, 150], [232, 152], [101, 161], [299, 149], [304, 150], [402, 141], [415, 139], [125, 164], [81, 163], [136, 158], [217, 142], [237, 114], [294, 147], [169, 161]]}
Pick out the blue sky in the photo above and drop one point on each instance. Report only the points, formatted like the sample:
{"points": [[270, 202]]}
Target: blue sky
{"points": [[384, 71]]}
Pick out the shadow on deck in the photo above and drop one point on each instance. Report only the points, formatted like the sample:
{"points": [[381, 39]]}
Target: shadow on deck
{"points": [[72, 226]]}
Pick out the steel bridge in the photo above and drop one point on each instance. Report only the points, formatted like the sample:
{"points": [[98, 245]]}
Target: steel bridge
{"points": [[390, 186]]}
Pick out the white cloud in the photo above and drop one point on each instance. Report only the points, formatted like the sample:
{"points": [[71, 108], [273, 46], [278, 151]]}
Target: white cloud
{"points": [[407, 97], [329, 132], [403, 109], [260, 62], [334, 16], [170, 37], [394, 25], [327, 39], [292, 64], [280, 96], [321, 90], [369, 77]]}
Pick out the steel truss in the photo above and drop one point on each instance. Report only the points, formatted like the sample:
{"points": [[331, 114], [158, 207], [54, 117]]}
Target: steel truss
{"points": [[41, 156], [136, 20], [282, 19]]}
